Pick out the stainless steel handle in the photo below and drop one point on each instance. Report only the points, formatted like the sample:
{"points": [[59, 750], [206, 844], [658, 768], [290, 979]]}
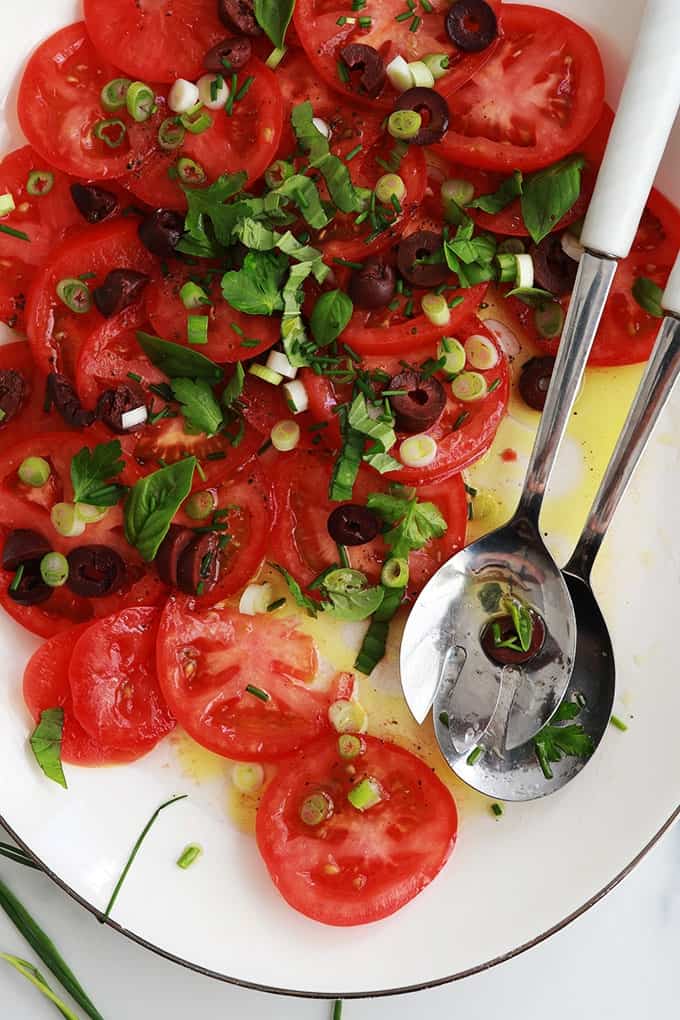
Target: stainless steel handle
{"points": [[650, 399], [593, 282]]}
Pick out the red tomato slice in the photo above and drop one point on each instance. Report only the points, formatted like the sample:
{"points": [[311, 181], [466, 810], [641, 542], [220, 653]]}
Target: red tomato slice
{"points": [[59, 106], [206, 661], [157, 41], [32, 417], [300, 541], [46, 686], [627, 332], [45, 218], [248, 139], [111, 354], [534, 101], [264, 405], [358, 866], [114, 684], [54, 331], [231, 334], [317, 26]]}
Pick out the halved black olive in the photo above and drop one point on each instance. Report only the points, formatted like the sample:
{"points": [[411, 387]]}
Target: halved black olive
{"points": [[120, 289], [161, 232], [434, 110], [553, 269], [61, 393], [228, 55], [199, 565], [12, 394], [171, 549], [471, 25], [534, 381], [94, 571], [370, 65], [23, 545], [113, 404], [422, 403], [352, 524], [510, 656], [92, 202], [239, 14], [31, 589], [423, 244], [373, 285]]}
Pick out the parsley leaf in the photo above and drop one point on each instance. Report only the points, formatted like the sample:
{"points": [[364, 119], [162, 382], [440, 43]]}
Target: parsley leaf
{"points": [[91, 471], [46, 744], [555, 742], [549, 194], [199, 405], [496, 201], [256, 288], [414, 524], [350, 597]]}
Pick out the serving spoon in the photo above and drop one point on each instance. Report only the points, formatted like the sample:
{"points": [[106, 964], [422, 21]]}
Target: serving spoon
{"points": [[441, 642], [517, 775]]}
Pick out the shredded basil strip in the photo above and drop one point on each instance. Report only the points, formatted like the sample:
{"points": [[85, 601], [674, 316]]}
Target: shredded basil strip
{"points": [[46, 744], [374, 645], [333, 170]]}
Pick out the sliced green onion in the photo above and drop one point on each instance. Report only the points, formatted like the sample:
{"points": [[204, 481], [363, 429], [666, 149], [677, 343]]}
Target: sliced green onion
{"points": [[316, 808], [196, 121], [285, 435], [34, 471], [75, 295], [421, 74], [193, 296], [197, 329], [248, 778], [351, 746], [436, 309], [114, 94], [399, 74], [438, 64], [549, 319], [66, 521], [54, 569], [40, 182], [404, 124], [618, 723], [278, 172], [256, 598], [140, 101], [111, 132], [266, 374], [388, 187], [366, 794], [200, 505], [189, 856], [190, 172], [481, 352], [395, 573], [18, 577], [418, 451], [457, 190], [507, 266], [171, 134], [91, 514], [452, 352], [525, 271], [474, 755], [348, 716], [275, 57], [469, 386], [7, 204]]}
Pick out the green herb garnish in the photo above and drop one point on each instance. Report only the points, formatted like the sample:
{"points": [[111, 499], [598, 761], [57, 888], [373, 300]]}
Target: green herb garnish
{"points": [[555, 742], [152, 503], [46, 744], [549, 194]]}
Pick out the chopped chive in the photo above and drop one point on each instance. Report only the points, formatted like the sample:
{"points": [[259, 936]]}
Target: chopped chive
{"points": [[358, 5], [352, 353], [460, 420], [318, 425], [361, 218], [257, 692], [365, 22], [497, 809], [415, 24], [444, 718], [353, 152], [273, 606], [400, 287], [408, 310], [229, 105], [619, 723], [343, 72], [337, 1009], [250, 342], [394, 393], [16, 580], [244, 88], [135, 851], [217, 455], [470, 512], [474, 755], [344, 558], [162, 390], [397, 205], [189, 855], [199, 471], [134, 377], [346, 262], [237, 329], [455, 301], [14, 233], [393, 305], [494, 385], [404, 16], [200, 588], [342, 20]]}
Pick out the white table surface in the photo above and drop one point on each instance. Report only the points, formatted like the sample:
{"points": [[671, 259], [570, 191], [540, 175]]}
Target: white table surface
{"points": [[618, 961]]}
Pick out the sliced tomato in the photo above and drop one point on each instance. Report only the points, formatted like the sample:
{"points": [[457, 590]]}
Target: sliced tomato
{"points": [[207, 660], [54, 331], [300, 541], [32, 417], [159, 41], [44, 218], [247, 139], [324, 39], [114, 683], [534, 101], [46, 686], [59, 107], [231, 334], [264, 405], [627, 332], [111, 355], [356, 866]]}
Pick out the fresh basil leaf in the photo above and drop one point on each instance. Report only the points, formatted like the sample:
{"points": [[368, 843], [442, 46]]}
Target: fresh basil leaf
{"points": [[648, 295], [296, 591], [334, 171], [178, 361], [354, 605], [234, 388], [549, 194], [199, 405], [153, 502], [92, 470], [46, 744], [256, 288], [330, 316], [274, 16], [535, 297], [297, 346], [496, 201]]}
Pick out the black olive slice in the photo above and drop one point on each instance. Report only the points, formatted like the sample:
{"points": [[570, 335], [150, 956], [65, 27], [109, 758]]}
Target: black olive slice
{"points": [[422, 244], [434, 110], [534, 381], [370, 67], [373, 285], [352, 524], [161, 232], [92, 202], [94, 571], [23, 545], [420, 405], [471, 25]]}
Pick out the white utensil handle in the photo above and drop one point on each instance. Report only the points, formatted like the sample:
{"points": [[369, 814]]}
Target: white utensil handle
{"points": [[670, 301], [648, 105]]}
